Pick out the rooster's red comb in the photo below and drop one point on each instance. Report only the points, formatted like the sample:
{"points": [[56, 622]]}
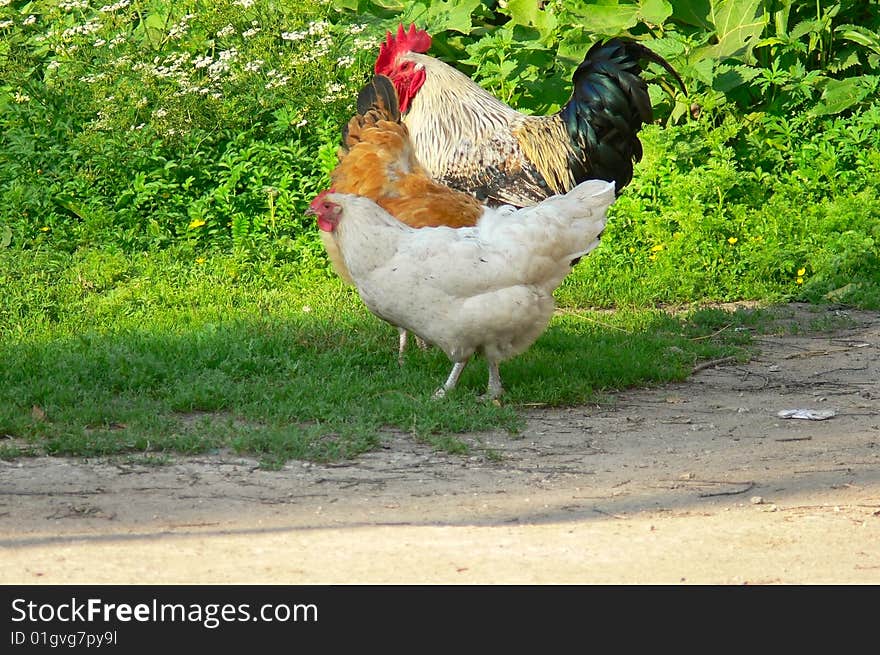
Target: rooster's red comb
{"points": [[411, 40]]}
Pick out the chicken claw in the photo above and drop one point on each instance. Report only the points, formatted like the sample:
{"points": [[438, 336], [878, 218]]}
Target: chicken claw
{"points": [[451, 381], [495, 388]]}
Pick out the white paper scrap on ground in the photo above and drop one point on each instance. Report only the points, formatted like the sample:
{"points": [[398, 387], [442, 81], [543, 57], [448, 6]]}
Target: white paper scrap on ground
{"points": [[810, 414]]}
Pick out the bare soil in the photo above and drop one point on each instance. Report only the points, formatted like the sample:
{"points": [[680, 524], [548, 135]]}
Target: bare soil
{"points": [[697, 482]]}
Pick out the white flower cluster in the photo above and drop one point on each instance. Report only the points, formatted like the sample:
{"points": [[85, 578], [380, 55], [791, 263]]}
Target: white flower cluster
{"points": [[171, 67], [3, 3], [221, 65], [181, 28], [318, 28], [334, 90], [244, 4], [95, 77], [276, 79], [68, 5], [6, 23], [226, 31], [363, 44], [90, 27], [116, 6]]}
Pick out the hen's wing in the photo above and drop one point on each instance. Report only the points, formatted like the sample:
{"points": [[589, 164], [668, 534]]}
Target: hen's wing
{"points": [[508, 247]]}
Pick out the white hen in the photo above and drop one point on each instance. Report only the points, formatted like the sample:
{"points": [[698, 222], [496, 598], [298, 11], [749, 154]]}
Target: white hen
{"points": [[487, 288]]}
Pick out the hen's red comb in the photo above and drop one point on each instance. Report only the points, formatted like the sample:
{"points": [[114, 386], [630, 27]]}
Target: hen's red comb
{"points": [[318, 198], [411, 40]]}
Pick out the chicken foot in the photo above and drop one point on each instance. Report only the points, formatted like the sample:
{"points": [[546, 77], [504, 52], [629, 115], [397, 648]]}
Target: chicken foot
{"points": [[451, 381]]}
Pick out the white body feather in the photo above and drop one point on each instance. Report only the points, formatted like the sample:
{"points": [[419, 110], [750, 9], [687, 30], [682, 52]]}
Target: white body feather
{"points": [[485, 289]]}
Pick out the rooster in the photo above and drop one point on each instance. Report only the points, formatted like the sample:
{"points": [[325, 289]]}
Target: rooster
{"points": [[487, 288], [470, 140]]}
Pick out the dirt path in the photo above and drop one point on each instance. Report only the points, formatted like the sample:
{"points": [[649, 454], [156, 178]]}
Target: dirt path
{"points": [[699, 482]]}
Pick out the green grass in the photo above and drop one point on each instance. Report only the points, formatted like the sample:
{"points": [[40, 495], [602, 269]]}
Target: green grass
{"points": [[147, 354]]}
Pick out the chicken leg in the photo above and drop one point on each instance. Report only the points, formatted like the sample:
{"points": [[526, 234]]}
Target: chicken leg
{"points": [[403, 339], [451, 381], [495, 389]]}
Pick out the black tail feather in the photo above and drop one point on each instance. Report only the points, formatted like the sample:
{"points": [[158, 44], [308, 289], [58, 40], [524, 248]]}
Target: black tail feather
{"points": [[377, 100], [379, 94], [608, 107]]}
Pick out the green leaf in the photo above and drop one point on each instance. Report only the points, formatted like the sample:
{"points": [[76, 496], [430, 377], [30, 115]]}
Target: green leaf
{"points": [[66, 201], [703, 71], [730, 77], [780, 18], [527, 12], [844, 60], [861, 35], [692, 12], [655, 11], [738, 24], [442, 15], [351, 5], [840, 95], [5, 236], [805, 27], [606, 19]]}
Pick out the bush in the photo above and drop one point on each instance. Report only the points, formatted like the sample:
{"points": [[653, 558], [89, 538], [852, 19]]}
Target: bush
{"points": [[136, 125], [210, 125]]}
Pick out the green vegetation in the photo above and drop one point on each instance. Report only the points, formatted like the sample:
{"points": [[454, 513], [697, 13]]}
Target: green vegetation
{"points": [[161, 289]]}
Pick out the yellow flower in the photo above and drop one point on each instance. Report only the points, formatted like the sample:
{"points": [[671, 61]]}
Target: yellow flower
{"points": [[657, 248], [631, 249], [200, 260], [800, 272], [800, 280], [652, 257], [732, 240], [45, 228], [196, 222]]}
